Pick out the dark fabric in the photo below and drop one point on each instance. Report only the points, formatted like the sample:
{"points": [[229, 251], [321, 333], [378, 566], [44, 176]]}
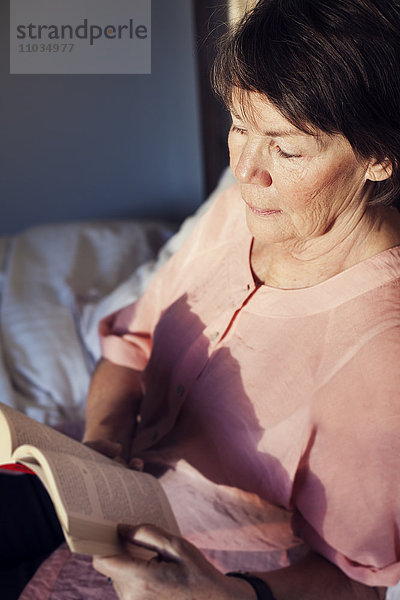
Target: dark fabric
{"points": [[261, 588], [29, 531]]}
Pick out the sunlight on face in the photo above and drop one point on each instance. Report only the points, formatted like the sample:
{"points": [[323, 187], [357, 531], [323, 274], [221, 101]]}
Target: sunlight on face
{"points": [[296, 186]]}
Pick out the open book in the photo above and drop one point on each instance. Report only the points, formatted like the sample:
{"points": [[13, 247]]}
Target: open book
{"points": [[90, 492]]}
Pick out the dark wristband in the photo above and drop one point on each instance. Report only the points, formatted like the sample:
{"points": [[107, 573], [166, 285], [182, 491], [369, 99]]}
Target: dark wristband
{"points": [[261, 588]]}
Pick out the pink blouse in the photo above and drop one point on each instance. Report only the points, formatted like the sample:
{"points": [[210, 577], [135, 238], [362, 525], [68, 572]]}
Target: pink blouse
{"points": [[263, 398]]}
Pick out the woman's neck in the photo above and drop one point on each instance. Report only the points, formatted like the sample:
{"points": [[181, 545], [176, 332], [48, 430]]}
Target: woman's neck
{"points": [[309, 263]]}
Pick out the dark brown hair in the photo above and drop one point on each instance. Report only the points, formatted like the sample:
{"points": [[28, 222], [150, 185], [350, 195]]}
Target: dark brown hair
{"points": [[328, 65]]}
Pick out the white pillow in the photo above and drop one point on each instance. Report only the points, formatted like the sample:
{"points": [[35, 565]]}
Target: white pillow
{"points": [[53, 272]]}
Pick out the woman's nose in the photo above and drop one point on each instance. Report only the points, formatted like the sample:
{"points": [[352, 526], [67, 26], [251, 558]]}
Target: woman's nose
{"points": [[251, 167]]}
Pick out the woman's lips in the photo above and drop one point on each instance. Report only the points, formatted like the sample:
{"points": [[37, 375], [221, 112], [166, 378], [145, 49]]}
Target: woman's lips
{"points": [[262, 212]]}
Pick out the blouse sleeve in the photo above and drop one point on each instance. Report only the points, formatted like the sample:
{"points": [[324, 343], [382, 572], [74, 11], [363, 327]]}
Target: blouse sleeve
{"points": [[125, 336]]}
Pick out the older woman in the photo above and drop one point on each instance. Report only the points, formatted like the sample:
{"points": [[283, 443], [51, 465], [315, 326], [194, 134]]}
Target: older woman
{"points": [[265, 354]]}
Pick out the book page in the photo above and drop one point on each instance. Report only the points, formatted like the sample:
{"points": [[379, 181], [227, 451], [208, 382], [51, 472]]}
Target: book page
{"points": [[101, 539], [87, 492], [7, 440], [91, 493], [24, 430]]}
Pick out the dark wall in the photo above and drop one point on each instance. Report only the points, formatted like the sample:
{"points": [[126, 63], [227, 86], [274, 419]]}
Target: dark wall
{"points": [[100, 146]]}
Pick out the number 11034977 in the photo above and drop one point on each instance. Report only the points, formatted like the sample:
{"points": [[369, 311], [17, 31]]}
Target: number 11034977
{"points": [[45, 47]]}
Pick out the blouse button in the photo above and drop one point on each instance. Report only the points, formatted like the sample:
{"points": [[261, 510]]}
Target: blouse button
{"points": [[180, 390], [214, 336]]}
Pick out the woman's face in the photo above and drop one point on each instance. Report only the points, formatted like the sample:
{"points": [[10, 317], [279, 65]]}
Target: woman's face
{"points": [[296, 186]]}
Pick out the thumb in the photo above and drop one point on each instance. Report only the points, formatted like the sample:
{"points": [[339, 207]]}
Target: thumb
{"points": [[165, 545]]}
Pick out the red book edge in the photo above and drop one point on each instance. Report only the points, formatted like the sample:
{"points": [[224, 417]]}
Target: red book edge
{"points": [[17, 467]]}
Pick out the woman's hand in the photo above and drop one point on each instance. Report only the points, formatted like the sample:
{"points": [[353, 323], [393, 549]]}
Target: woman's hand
{"points": [[108, 448], [180, 572], [177, 571], [111, 411], [114, 450]]}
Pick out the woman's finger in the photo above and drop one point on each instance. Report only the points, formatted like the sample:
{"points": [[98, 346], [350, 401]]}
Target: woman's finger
{"points": [[165, 545], [113, 566], [136, 464], [106, 447]]}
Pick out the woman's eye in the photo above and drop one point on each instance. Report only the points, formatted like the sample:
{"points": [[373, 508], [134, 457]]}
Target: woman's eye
{"points": [[286, 154], [238, 130]]}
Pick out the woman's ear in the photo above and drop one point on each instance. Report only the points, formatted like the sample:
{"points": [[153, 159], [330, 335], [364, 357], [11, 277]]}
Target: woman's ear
{"points": [[379, 171]]}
